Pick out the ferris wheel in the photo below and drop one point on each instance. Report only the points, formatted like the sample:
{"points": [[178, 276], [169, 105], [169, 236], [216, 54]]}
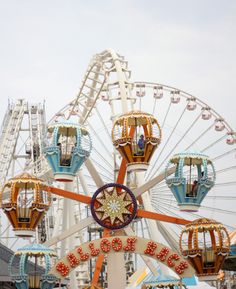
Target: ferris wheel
{"points": [[135, 137], [186, 122]]}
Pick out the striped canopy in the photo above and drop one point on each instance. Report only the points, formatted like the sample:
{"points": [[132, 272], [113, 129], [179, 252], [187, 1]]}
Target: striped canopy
{"points": [[35, 250]]}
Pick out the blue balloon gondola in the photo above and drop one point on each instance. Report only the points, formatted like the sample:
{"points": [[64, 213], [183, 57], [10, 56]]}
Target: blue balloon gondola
{"points": [[194, 176], [29, 274], [70, 146]]}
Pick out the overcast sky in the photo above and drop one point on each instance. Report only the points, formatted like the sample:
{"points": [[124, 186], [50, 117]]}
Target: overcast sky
{"points": [[46, 45]]}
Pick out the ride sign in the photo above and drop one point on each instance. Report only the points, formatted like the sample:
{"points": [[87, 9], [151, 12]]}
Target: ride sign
{"points": [[122, 244]]}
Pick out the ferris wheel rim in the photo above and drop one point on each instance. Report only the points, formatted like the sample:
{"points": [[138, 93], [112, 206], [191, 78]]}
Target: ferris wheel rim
{"points": [[182, 93], [186, 95]]}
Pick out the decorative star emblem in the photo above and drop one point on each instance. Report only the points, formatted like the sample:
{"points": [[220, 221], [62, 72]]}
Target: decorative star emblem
{"points": [[114, 205]]}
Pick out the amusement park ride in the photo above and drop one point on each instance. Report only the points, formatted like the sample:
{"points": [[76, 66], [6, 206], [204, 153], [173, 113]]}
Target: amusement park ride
{"points": [[124, 168]]}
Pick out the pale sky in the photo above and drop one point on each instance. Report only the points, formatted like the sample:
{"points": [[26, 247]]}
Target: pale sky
{"points": [[46, 46]]}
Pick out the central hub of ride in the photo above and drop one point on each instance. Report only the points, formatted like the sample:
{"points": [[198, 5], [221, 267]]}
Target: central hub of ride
{"points": [[113, 206]]}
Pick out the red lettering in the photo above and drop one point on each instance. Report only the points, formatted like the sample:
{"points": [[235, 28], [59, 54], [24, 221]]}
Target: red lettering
{"points": [[83, 256], [116, 244], [94, 252], [130, 244], [163, 253], [151, 247], [105, 245], [172, 257], [73, 260], [62, 268], [181, 267]]}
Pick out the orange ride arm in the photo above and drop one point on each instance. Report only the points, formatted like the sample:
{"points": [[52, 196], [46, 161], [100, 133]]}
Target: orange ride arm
{"points": [[161, 217], [122, 172], [99, 262], [69, 195]]}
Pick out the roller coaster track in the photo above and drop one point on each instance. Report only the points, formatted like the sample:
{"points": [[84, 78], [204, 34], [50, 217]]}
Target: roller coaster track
{"points": [[105, 69], [9, 136]]}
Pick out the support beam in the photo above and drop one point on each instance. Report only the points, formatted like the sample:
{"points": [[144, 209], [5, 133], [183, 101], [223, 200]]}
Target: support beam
{"points": [[94, 174], [74, 229], [116, 272], [129, 232], [169, 235], [151, 183], [122, 173], [67, 194], [100, 259], [68, 221], [161, 217]]}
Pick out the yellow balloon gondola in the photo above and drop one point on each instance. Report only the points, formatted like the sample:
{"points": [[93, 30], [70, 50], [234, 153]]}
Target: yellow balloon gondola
{"points": [[136, 135], [24, 202]]}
